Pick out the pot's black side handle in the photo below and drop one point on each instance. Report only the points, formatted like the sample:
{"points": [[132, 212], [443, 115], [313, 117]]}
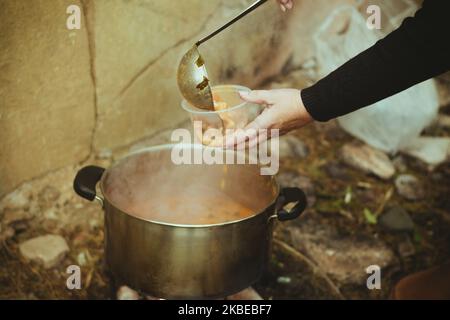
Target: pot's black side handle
{"points": [[85, 182], [291, 195]]}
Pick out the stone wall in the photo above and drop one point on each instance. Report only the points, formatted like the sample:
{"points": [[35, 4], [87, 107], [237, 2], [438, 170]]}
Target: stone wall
{"points": [[46, 93], [139, 43]]}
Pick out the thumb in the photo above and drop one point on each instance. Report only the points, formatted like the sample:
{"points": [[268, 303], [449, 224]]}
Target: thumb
{"points": [[255, 96]]}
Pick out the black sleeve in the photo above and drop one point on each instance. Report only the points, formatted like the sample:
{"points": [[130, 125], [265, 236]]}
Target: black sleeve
{"points": [[415, 52]]}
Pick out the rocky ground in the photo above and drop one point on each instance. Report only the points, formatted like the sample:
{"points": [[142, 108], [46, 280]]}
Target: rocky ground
{"points": [[395, 214], [365, 208]]}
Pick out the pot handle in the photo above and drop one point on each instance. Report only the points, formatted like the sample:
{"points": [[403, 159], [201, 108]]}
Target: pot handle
{"points": [[85, 182], [290, 195]]}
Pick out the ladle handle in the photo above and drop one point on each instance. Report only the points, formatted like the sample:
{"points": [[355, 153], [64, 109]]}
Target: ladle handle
{"points": [[241, 15], [291, 195], [85, 182]]}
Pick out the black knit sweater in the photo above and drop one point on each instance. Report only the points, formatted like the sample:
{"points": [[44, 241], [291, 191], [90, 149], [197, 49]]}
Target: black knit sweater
{"points": [[415, 52]]}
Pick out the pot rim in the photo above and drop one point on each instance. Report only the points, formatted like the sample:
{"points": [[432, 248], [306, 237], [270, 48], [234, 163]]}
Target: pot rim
{"points": [[194, 226]]}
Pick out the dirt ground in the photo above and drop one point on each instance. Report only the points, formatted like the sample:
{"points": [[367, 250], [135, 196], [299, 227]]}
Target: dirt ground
{"points": [[297, 270], [427, 245]]}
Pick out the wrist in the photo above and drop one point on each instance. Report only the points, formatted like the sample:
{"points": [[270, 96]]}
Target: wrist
{"points": [[304, 114]]}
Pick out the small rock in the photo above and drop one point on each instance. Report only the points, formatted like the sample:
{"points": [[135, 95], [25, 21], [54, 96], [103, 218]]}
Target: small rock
{"points": [[81, 239], [50, 225], [337, 171], [397, 219], [34, 209], [50, 214], [368, 160], [32, 296], [247, 294], [291, 179], [48, 196], [125, 293], [437, 176], [82, 259], [406, 248], [17, 199], [15, 217], [284, 280], [334, 134], [79, 205], [409, 187], [95, 223], [47, 250], [443, 121], [332, 130], [6, 233], [293, 147], [153, 298], [400, 164]]}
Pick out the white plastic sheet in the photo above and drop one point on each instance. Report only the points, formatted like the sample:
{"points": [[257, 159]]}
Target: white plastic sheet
{"points": [[392, 124]]}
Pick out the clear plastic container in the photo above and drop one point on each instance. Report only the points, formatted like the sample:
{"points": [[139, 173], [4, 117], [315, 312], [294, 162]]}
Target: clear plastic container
{"points": [[210, 127]]}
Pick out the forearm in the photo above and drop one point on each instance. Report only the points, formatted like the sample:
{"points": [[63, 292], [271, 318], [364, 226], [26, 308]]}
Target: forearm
{"points": [[417, 51]]}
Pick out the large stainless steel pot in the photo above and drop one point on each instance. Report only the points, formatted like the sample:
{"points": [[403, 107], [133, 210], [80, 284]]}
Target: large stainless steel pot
{"points": [[185, 261]]}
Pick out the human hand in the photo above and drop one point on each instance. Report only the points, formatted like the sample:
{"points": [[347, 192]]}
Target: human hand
{"points": [[284, 110], [286, 4]]}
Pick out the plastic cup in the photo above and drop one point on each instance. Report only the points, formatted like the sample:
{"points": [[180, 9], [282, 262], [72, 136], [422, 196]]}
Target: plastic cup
{"points": [[210, 127]]}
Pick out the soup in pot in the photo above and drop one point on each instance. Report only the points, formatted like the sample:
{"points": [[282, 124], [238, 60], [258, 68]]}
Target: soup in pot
{"points": [[192, 209], [150, 186]]}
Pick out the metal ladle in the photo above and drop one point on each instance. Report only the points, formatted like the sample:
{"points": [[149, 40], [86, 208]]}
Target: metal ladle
{"points": [[192, 77]]}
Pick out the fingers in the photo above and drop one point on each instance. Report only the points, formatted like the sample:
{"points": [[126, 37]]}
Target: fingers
{"points": [[256, 96], [249, 137], [251, 132], [258, 139], [289, 5], [239, 137], [263, 121], [286, 5]]}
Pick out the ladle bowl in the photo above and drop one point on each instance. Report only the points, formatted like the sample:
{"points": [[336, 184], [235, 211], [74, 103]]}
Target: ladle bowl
{"points": [[193, 80]]}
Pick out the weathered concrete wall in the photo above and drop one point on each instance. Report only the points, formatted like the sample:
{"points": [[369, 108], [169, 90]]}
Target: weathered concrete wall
{"points": [[46, 91], [138, 45]]}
